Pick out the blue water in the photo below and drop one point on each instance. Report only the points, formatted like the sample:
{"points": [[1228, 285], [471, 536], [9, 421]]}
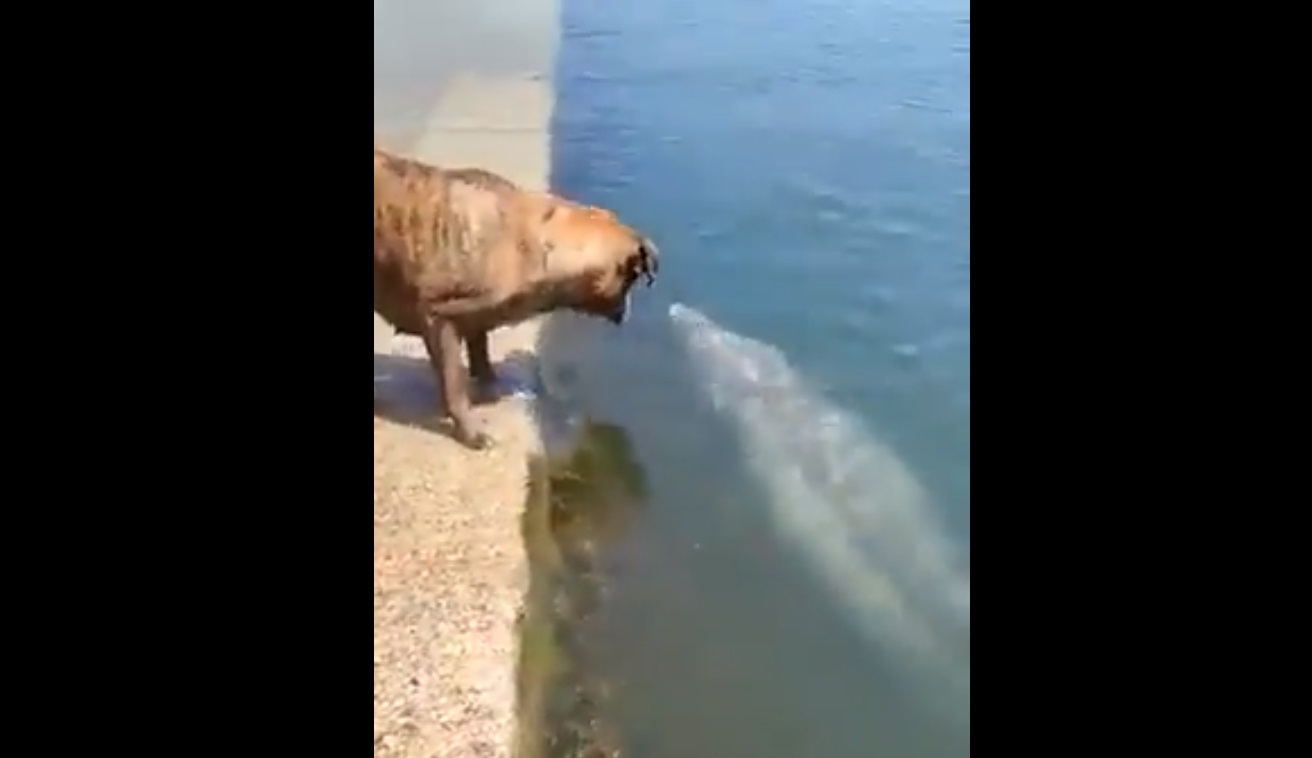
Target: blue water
{"points": [[797, 385]]}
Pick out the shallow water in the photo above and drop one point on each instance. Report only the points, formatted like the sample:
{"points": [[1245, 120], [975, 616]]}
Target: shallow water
{"points": [[797, 386]]}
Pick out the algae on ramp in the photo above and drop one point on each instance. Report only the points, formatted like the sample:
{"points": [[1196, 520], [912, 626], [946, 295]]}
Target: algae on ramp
{"points": [[578, 503]]}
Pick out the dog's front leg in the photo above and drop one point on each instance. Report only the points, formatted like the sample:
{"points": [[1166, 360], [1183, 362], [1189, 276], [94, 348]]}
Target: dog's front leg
{"points": [[480, 366], [443, 343]]}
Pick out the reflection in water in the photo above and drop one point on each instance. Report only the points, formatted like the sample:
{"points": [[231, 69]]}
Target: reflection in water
{"points": [[718, 633], [579, 501], [847, 503], [835, 490]]}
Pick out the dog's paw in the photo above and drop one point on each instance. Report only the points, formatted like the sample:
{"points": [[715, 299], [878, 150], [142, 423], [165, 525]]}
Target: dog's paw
{"points": [[473, 440]]}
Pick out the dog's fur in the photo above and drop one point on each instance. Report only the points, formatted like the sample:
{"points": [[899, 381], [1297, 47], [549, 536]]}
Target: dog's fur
{"points": [[459, 252]]}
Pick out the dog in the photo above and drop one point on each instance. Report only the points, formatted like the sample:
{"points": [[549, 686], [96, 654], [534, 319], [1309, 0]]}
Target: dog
{"points": [[459, 252]]}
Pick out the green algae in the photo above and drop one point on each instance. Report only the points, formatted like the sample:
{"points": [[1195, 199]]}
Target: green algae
{"points": [[579, 502]]}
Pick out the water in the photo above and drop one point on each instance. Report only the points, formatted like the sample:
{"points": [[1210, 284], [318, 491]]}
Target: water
{"points": [[797, 386]]}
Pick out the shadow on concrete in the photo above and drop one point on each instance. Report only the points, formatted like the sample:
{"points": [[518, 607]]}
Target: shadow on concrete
{"points": [[406, 392]]}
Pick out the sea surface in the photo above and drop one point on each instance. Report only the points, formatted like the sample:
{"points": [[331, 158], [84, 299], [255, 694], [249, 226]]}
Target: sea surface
{"points": [[796, 386]]}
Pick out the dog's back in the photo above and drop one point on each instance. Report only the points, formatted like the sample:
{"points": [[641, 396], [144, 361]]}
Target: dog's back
{"points": [[440, 232], [419, 207]]}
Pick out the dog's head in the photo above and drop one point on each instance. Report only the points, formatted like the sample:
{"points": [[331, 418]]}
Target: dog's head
{"points": [[593, 260]]}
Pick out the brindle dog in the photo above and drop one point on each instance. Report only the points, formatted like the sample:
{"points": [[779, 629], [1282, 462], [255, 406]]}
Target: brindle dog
{"points": [[459, 252]]}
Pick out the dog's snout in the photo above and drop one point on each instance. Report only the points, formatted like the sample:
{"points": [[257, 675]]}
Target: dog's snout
{"points": [[617, 315]]}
